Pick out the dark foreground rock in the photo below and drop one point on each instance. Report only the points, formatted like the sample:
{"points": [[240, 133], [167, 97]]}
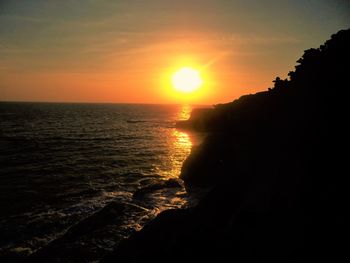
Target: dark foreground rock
{"points": [[275, 163], [89, 239]]}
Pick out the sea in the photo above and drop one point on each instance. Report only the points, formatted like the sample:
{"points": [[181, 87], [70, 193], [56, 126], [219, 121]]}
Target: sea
{"points": [[61, 164]]}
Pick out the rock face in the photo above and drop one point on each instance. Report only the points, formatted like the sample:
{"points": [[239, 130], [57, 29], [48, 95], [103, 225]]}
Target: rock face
{"points": [[275, 163]]}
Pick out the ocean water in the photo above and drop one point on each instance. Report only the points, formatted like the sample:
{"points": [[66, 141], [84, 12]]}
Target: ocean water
{"points": [[62, 163]]}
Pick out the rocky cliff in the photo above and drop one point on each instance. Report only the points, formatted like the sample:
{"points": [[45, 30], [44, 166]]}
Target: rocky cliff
{"points": [[275, 165]]}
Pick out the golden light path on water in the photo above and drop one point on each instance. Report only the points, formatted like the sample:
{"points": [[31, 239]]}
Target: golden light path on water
{"points": [[178, 144], [181, 143], [185, 112], [182, 147]]}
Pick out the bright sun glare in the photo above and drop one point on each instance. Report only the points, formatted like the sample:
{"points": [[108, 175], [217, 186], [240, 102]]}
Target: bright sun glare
{"points": [[187, 80]]}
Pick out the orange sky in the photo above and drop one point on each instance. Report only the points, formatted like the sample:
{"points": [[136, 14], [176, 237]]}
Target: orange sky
{"points": [[105, 51]]}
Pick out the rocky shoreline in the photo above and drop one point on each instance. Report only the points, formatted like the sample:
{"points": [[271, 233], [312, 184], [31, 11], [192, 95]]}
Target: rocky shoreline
{"points": [[274, 165], [96, 235]]}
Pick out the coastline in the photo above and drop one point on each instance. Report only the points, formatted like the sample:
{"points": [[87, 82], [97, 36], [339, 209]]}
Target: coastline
{"points": [[63, 164], [272, 160]]}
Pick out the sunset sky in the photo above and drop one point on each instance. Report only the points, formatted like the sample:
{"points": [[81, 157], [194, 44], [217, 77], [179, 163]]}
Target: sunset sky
{"points": [[126, 51]]}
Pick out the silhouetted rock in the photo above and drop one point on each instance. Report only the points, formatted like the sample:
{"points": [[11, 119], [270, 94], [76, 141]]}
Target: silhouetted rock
{"points": [[155, 240], [275, 162]]}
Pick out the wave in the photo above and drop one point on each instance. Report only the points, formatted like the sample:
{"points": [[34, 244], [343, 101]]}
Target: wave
{"points": [[166, 124], [54, 138], [136, 121]]}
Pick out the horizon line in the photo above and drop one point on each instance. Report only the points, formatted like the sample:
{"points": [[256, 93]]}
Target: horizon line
{"points": [[87, 102]]}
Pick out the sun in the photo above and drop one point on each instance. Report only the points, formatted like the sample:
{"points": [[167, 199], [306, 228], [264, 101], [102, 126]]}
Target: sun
{"points": [[187, 80]]}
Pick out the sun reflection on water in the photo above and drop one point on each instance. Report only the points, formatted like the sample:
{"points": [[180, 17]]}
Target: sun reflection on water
{"points": [[181, 143], [180, 146], [184, 113], [182, 140]]}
